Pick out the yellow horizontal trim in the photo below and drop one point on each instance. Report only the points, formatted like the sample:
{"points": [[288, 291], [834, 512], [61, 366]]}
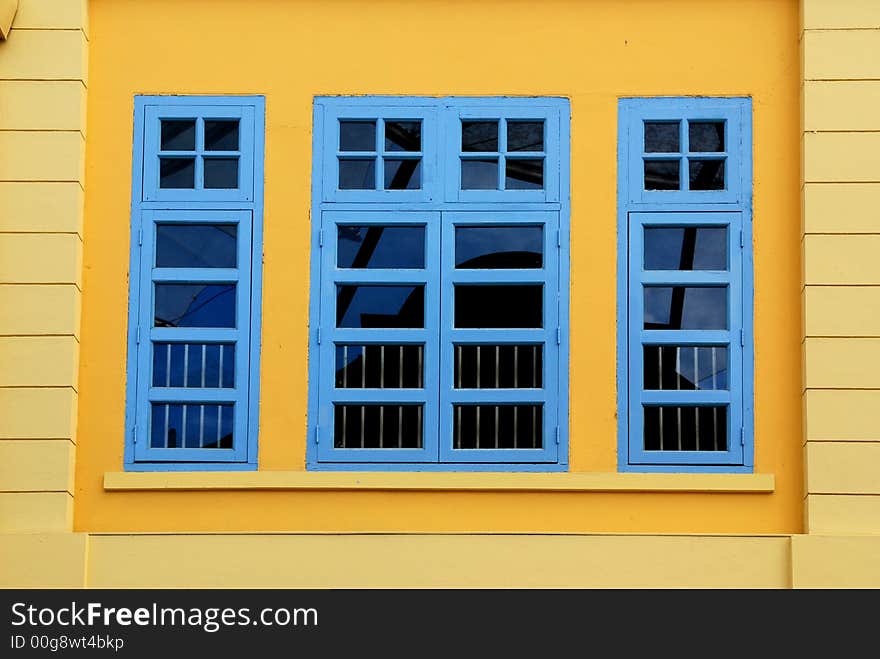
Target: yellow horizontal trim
{"points": [[422, 481], [7, 13]]}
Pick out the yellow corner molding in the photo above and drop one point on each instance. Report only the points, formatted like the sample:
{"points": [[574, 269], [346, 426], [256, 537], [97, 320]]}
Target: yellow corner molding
{"points": [[425, 481], [7, 13]]}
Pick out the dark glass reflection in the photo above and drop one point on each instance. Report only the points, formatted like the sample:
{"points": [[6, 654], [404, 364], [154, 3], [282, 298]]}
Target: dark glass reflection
{"points": [[403, 174], [525, 135], [686, 368], [357, 135], [524, 174], [196, 245], [221, 173], [479, 136], [357, 174], [662, 137], [379, 366], [498, 426], [176, 425], [493, 306], [498, 366], [481, 174], [221, 134], [178, 135], [194, 365], [380, 246], [706, 174], [380, 306], [377, 426], [662, 175], [403, 135], [685, 307], [177, 173], [685, 248], [195, 305], [706, 136], [499, 247], [686, 428]]}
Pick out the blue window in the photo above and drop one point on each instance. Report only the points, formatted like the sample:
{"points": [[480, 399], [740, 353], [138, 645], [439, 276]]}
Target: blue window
{"points": [[194, 302], [685, 354], [439, 284]]}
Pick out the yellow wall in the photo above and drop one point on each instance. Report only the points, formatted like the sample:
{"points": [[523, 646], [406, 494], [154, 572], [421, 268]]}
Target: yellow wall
{"points": [[590, 51]]}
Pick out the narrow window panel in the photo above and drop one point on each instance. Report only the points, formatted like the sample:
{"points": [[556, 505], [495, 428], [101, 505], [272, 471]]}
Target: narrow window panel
{"points": [[357, 174], [380, 246], [195, 305], [685, 428], [498, 366], [191, 425], [196, 245], [221, 134], [382, 366], [221, 173], [706, 174], [494, 306], [685, 248], [403, 135], [525, 135], [662, 137], [685, 368], [685, 307], [479, 174], [178, 135], [499, 247], [662, 175], [382, 426], [370, 306], [509, 426], [706, 136], [479, 136], [357, 135], [403, 174], [524, 173], [177, 173]]}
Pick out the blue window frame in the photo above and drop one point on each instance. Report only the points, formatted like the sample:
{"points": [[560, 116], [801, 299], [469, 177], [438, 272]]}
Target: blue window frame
{"points": [[685, 352], [439, 310], [194, 299]]}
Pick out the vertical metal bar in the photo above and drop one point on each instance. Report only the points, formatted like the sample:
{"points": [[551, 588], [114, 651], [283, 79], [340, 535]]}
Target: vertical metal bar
{"points": [[345, 426], [478, 427], [400, 368], [660, 412], [421, 367], [183, 429], [363, 420], [167, 412], [696, 369], [382, 367], [660, 365], [220, 377], [364, 367], [496, 426], [400, 426], [344, 369], [515, 369], [678, 388], [458, 426], [497, 365], [204, 363], [478, 367], [420, 444], [167, 364], [219, 424], [534, 426], [516, 426], [535, 366], [202, 424], [714, 370], [458, 362], [714, 409], [381, 426], [185, 365]]}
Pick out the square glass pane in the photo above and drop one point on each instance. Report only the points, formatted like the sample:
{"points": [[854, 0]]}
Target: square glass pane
{"points": [[357, 135], [178, 135], [498, 306], [662, 175], [221, 173], [403, 174], [380, 246], [177, 173], [380, 306], [221, 134], [706, 174], [380, 366], [403, 135], [357, 174], [685, 307], [479, 136], [685, 368], [378, 426], [195, 305], [194, 365], [498, 366], [685, 248], [524, 174], [706, 136], [481, 174], [499, 247], [662, 136], [685, 428], [498, 426], [196, 245], [525, 135]]}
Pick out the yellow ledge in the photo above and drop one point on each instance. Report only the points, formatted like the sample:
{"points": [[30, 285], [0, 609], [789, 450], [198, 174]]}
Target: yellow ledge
{"points": [[426, 481]]}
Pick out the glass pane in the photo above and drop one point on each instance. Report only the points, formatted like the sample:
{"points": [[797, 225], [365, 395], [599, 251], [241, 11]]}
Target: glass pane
{"points": [[357, 174], [686, 368], [685, 248], [380, 366], [194, 365], [403, 174], [685, 307], [479, 174], [221, 173], [686, 428], [380, 306], [524, 174], [357, 135], [177, 425], [498, 366], [195, 305], [499, 247], [196, 245], [706, 174], [377, 426], [221, 134], [525, 135], [378, 246], [177, 173], [479, 136], [403, 135], [706, 136], [662, 137], [178, 135], [497, 426], [662, 175], [519, 305]]}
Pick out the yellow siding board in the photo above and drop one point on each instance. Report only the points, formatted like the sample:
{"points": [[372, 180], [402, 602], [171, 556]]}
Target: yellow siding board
{"points": [[842, 105], [842, 310], [39, 413], [835, 562], [35, 512], [43, 560], [39, 361], [837, 14], [841, 259], [836, 514], [842, 208], [842, 363], [32, 258], [35, 206], [467, 561], [27, 309], [841, 157], [845, 415], [44, 55], [843, 467], [52, 14], [42, 156], [7, 13], [42, 105], [841, 54], [36, 465]]}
